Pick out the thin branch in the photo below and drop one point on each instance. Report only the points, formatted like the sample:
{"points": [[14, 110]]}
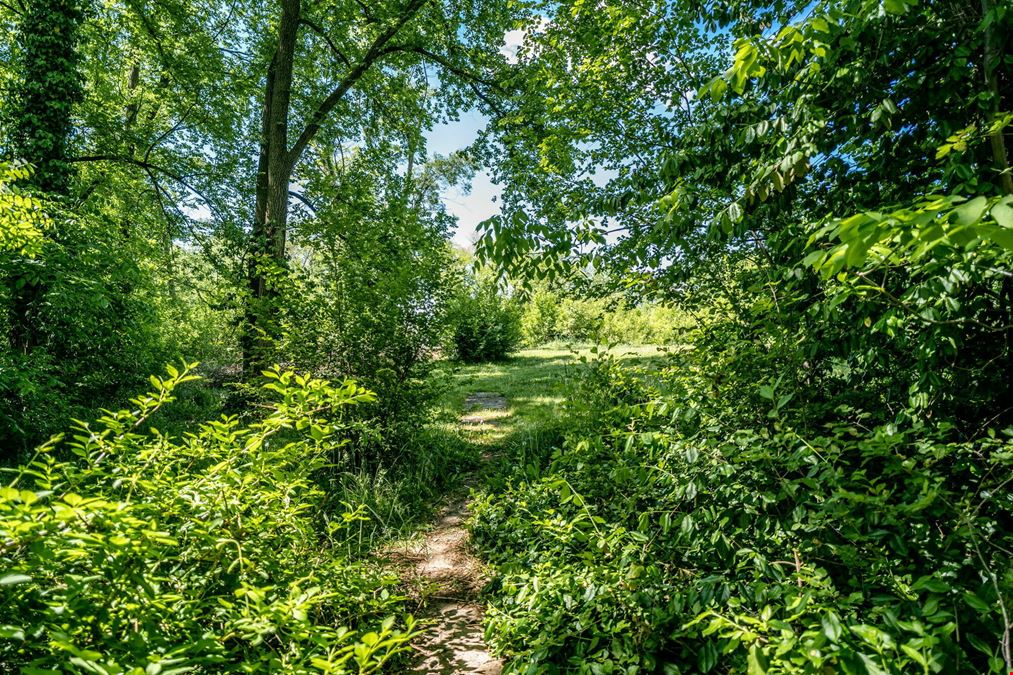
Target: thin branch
{"points": [[313, 209], [375, 51], [456, 69], [148, 166], [365, 10], [305, 200], [472, 79], [315, 27]]}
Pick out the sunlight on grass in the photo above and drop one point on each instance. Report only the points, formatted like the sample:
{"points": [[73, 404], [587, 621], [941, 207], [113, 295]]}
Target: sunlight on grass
{"points": [[534, 383]]}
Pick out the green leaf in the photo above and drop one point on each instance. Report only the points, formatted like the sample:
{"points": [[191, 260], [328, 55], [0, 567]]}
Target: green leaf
{"points": [[970, 212], [1002, 212], [871, 667], [976, 603], [895, 6], [12, 579], [932, 584], [832, 626], [757, 661], [12, 633]]}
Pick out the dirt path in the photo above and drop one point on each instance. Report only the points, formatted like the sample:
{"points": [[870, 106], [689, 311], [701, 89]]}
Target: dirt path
{"points": [[452, 577]]}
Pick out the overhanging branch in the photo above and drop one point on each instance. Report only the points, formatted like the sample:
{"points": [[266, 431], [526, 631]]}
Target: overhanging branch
{"points": [[315, 27], [375, 51], [148, 167]]}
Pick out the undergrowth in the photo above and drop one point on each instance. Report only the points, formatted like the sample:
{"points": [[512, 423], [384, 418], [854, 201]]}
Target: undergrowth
{"points": [[676, 530], [214, 552]]}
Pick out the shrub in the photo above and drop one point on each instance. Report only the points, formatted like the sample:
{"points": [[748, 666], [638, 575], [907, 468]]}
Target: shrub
{"points": [[550, 315], [582, 319], [93, 318], [542, 317], [666, 535], [485, 325], [210, 553]]}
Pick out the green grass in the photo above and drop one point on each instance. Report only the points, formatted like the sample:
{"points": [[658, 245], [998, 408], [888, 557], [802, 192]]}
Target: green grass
{"points": [[534, 383], [449, 456]]}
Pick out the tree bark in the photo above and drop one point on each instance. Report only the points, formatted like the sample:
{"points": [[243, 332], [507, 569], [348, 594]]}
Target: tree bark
{"points": [[274, 171], [41, 107], [992, 62]]}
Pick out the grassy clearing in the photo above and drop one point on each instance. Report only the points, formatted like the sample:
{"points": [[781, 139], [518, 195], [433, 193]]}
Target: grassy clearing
{"points": [[534, 382]]}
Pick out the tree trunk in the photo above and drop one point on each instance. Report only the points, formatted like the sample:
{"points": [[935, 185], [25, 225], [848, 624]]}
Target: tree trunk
{"points": [[274, 172], [993, 62], [41, 108]]}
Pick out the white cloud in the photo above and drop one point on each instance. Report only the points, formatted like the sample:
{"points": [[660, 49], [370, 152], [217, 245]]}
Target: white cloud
{"points": [[472, 208], [512, 41]]}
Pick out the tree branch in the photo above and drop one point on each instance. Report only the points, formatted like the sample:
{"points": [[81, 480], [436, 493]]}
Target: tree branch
{"points": [[456, 69], [315, 27], [11, 8], [148, 167], [472, 79], [375, 51], [365, 10]]}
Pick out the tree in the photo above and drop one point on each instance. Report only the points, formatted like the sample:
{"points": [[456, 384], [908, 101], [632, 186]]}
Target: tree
{"points": [[48, 89], [460, 40], [745, 190]]}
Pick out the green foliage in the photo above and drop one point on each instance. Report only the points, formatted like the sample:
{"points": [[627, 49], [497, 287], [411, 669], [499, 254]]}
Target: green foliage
{"points": [[367, 297], [818, 484], [208, 553], [48, 89], [102, 315], [485, 325], [668, 535], [23, 221], [553, 315], [859, 233], [541, 318]]}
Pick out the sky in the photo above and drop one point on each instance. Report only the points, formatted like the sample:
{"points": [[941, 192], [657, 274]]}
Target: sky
{"points": [[470, 207]]}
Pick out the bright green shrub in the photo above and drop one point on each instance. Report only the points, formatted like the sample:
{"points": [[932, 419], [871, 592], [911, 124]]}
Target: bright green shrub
{"points": [[645, 324], [484, 324], [549, 316], [211, 553], [102, 317], [582, 318], [666, 535], [540, 322]]}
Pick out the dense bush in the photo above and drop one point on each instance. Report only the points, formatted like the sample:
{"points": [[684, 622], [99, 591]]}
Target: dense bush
{"points": [[86, 315], [674, 531], [485, 325], [207, 553], [373, 308], [549, 315]]}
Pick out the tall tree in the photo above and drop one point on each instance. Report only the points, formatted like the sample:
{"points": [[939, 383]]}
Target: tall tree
{"points": [[864, 139], [49, 88], [460, 39], [40, 122]]}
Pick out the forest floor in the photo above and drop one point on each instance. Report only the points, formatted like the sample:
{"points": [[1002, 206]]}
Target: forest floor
{"points": [[508, 414]]}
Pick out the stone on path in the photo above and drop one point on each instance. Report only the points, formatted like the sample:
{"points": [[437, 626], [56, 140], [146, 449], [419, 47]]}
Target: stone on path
{"points": [[454, 642], [484, 407]]}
